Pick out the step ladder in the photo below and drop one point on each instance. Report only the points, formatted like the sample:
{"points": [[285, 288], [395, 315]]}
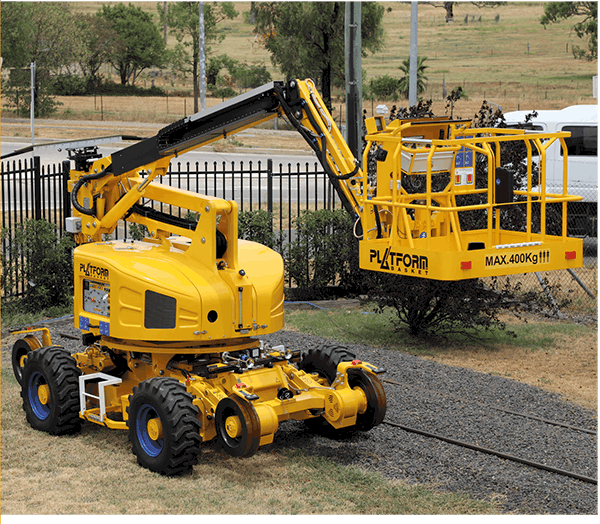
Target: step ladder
{"points": [[106, 380]]}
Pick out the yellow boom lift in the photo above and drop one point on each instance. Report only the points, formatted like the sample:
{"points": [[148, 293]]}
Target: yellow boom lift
{"points": [[171, 325]]}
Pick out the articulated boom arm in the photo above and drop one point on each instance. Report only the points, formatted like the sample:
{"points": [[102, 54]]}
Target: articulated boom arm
{"points": [[408, 205], [109, 189]]}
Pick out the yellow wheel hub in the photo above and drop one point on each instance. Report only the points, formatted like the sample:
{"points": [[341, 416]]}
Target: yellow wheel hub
{"points": [[22, 360], [44, 394], [155, 430], [233, 426], [362, 400]]}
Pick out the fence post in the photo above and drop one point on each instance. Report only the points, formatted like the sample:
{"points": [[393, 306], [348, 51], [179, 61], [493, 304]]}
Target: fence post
{"points": [[37, 189], [270, 185], [66, 175]]}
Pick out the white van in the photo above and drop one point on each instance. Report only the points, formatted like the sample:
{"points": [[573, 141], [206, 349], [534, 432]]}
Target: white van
{"points": [[582, 122]]}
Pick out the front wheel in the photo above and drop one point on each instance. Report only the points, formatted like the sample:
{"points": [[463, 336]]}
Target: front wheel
{"points": [[164, 429], [50, 391], [324, 361]]}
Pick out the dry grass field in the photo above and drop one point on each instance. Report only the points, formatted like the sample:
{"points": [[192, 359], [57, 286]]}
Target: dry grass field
{"points": [[503, 55]]}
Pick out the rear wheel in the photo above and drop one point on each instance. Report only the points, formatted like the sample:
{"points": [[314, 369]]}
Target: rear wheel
{"points": [[324, 360], [238, 426], [164, 429], [50, 390]]}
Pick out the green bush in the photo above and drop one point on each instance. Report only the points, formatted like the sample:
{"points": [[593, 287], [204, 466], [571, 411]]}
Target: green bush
{"points": [[384, 88], [257, 226], [322, 254], [35, 256], [69, 85]]}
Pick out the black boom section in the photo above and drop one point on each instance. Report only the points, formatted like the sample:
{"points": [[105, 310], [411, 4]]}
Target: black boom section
{"points": [[220, 121], [199, 128]]}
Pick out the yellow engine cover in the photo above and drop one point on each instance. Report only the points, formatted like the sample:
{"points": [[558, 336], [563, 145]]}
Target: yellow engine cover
{"points": [[139, 290]]}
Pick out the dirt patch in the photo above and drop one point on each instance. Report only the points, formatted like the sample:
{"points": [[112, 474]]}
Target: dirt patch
{"points": [[568, 367]]}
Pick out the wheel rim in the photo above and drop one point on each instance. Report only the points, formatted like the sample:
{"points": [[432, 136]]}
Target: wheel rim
{"points": [[232, 439], [40, 409], [147, 415]]}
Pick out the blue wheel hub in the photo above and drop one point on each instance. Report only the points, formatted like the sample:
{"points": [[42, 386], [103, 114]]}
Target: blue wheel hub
{"points": [[40, 410], [150, 446]]}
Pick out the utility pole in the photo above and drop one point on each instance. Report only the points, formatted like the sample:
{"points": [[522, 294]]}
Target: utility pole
{"points": [[165, 24], [32, 105], [201, 56], [412, 78], [353, 44]]}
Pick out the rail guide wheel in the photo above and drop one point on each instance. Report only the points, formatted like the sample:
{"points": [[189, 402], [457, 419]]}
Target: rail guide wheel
{"points": [[238, 426], [324, 361], [20, 352]]}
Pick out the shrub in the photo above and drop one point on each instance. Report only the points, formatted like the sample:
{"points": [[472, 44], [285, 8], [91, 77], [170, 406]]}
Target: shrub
{"points": [[322, 252], [256, 226], [43, 262], [384, 88], [69, 85]]}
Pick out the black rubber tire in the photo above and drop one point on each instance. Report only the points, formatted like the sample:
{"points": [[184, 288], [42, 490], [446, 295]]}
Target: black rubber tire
{"points": [[376, 398], [324, 360], [247, 443], [54, 367], [179, 448], [22, 348]]}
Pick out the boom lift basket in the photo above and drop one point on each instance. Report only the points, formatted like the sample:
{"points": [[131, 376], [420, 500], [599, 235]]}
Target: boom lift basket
{"points": [[443, 204]]}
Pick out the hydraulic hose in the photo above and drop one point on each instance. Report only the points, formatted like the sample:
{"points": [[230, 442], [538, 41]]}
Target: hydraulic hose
{"points": [[83, 180]]}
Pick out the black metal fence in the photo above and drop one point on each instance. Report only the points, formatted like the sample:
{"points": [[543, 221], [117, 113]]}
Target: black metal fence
{"points": [[30, 190]]}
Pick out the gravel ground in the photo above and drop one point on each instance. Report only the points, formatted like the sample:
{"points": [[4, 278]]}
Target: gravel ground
{"points": [[449, 401]]}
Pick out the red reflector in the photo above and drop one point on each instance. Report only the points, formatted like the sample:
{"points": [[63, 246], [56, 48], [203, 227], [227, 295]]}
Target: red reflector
{"points": [[570, 255], [465, 265], [356, 362]]}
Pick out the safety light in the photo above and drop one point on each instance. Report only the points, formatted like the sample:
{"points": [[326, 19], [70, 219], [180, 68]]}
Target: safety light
{"points": [[570, 255], [465, 265]]}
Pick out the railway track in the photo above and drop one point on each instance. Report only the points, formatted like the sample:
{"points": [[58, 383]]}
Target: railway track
{"points": [[441, 425], [482, 449]]}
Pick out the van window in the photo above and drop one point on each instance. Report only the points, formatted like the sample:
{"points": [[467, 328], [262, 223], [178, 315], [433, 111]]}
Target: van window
{"points": [[583, 140], [528, 126]]}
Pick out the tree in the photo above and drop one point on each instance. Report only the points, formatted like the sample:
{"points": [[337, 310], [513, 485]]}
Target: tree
{"points": [[40, 32], [403, 85], [140, 43], [98, 40], [182, 20], [449, 7], [306, 39], [555, 12]]}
